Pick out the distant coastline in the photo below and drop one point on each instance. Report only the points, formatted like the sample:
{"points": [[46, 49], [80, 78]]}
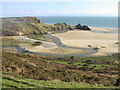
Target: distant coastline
{"points": [[104, 22], [91, 21]]}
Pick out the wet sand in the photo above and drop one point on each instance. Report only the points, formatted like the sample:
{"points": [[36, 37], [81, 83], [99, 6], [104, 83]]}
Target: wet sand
{"points": [[53, 50]]}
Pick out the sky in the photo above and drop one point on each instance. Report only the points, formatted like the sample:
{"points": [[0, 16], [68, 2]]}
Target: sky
{"points": [[11, 8]]}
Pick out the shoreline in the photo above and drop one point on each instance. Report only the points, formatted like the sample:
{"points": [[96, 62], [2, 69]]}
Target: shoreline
{"points": [[103, 28]]}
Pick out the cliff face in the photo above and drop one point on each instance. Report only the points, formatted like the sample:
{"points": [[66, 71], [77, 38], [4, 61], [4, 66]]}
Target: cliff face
{"points": [[32, 25]]}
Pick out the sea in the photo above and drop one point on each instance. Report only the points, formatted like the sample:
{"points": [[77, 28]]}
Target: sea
{"points": [[97, 21]]}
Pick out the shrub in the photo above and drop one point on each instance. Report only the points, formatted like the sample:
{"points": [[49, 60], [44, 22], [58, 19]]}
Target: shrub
{"points": [[36, 43], [89, 46], [95, 48]]}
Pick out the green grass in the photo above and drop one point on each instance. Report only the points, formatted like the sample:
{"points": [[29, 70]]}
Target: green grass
{"points": [[93, 66], [62, 62], [9, 82], [79, 64], [12, 83], [14, 74], [98, 66]]}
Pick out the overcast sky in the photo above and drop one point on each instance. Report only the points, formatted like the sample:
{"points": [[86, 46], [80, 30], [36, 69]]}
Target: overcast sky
{"points": [[59, 8]]}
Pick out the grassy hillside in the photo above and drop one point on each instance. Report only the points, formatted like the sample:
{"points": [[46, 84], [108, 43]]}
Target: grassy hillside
{"points": [[67, 69], [11, 80], [32, 26], [21, 26]]}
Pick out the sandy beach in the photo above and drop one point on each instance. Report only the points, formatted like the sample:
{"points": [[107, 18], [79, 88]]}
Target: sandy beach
{"points": [[48, 47], [106, 42], [87, 39], [104, 29]]}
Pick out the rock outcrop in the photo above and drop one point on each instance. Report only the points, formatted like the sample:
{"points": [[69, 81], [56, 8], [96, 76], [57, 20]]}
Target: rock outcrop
{"points": [[84, 27]]}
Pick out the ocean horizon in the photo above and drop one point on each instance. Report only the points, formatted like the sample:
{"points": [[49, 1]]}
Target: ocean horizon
{"points": [[100, 21]]}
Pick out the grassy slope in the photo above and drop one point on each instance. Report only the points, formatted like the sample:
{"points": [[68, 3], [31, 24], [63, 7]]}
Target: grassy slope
{"points": [[11, 80], [61, 69], [29, 26], [24, 25]]}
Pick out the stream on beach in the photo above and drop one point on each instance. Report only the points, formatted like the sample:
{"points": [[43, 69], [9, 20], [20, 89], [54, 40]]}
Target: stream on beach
{"points": [[57, 42]]}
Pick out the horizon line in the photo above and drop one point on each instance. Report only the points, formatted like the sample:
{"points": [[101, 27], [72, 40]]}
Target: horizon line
{"points": [[61, 16]]}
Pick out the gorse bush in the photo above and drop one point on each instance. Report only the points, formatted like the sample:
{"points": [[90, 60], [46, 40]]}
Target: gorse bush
{"points": [[36, 43]]}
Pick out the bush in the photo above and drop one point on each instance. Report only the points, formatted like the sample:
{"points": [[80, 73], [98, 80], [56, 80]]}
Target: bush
{"points": [[36, 43], [96, 48]]}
